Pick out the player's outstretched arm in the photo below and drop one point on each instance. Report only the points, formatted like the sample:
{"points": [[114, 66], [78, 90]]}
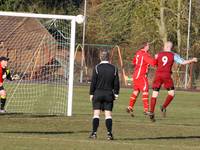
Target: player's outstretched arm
{"points": [[182, 61], [8, 74], [185, 62], [11, 78]]}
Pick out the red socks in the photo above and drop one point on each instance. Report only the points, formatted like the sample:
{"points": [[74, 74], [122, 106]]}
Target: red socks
{"points": [[153, 104], [145, 102], [144, 99], [167, 101], [132, 100]]}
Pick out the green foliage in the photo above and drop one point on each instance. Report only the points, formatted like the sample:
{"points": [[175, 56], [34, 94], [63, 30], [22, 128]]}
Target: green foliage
{"points": [[117, 20], [135, 21], [124, 22], [69, 7]]}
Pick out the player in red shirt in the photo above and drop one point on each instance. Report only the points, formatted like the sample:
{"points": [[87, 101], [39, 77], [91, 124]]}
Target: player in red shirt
{"points": [[164, 62], [141, 61]]}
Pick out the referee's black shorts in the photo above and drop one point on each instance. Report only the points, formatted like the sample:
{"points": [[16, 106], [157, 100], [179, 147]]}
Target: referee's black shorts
{"points": [[103, 100]]}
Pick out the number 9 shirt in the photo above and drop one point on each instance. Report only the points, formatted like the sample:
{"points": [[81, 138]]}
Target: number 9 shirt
{"points": [[164, 62]]}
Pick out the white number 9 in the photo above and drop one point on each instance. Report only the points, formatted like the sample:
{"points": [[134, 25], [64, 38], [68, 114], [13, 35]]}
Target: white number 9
{"points": [[164, 60]]}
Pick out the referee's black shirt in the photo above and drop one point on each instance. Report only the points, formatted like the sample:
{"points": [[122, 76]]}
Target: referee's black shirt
{"points": [[105, 77]]}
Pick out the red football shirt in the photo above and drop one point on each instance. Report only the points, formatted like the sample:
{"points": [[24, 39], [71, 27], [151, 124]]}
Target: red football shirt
{"points": [[164, 61], [141, 61], [1, 74]]}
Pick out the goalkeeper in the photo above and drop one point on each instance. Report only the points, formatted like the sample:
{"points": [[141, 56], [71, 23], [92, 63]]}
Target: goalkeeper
{"points": [[4, 74]]}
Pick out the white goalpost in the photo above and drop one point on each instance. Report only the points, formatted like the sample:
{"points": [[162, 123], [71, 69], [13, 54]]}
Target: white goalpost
{"points": [[41, 51]]}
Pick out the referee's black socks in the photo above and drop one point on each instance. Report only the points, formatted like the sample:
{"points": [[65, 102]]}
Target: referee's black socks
{"points": [[109, 124], [95, 124]]}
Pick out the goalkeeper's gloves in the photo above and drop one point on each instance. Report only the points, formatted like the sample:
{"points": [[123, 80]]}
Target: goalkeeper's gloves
{"points": [[16, 77], [9, 77], [4, 76]]}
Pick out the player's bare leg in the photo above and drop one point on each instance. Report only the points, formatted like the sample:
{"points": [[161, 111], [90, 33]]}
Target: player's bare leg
{"points": [[95, 124], [132, 101]]}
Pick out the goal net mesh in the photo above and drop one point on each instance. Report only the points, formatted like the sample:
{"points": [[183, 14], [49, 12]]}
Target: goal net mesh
{"points": [[38, 50]]}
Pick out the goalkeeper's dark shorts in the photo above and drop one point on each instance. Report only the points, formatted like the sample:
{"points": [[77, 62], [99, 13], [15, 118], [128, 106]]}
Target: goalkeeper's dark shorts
{"points": [[1, 88], [103, 100]]}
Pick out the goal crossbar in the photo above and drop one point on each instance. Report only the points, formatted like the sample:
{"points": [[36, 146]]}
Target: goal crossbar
{"points": [[34, 15]]}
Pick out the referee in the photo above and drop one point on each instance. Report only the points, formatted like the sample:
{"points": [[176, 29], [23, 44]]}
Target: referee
{"points": [[104, 89]]}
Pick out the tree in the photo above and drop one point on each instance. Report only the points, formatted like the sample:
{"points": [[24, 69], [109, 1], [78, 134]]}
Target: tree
{"points": [[67, 7]]}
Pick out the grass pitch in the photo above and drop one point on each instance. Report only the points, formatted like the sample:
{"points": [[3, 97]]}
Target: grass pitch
{"points": [[180, 130]]}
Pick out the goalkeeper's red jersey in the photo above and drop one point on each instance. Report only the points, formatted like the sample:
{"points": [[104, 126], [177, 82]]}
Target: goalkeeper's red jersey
{"points": [[1, 74], [141, 61]]}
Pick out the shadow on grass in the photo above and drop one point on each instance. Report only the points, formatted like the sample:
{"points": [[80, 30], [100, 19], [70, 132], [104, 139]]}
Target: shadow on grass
{"points": [[37, 115], [44, 132], [160, 138], [28, 115]]}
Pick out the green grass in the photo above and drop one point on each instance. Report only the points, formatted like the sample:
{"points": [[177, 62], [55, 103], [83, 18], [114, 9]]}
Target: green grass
{"points": [[180, 130]]}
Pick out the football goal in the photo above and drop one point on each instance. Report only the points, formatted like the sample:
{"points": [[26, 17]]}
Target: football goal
{"points": [[41, 51]]}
